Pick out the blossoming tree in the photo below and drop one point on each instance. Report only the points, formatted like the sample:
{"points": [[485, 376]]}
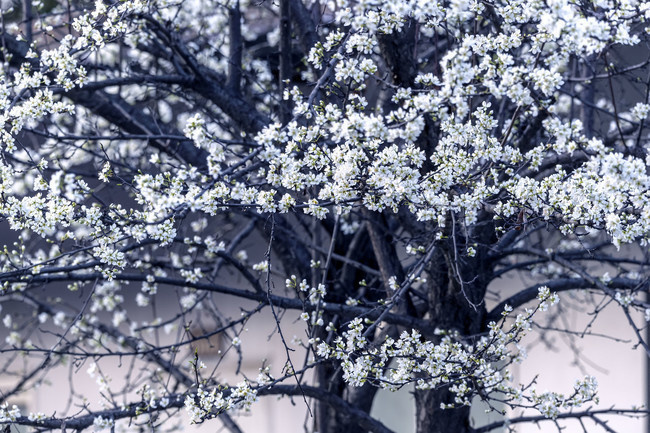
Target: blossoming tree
{"points": [[393, 161]]}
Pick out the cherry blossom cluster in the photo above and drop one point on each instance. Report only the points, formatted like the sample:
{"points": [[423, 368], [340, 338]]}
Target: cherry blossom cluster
{"points": [[466, 368], [9, 414], [348, 155], [207, 404], [121, 207]]}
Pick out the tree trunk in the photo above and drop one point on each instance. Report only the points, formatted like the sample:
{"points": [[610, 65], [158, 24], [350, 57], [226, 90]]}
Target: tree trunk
{"points": [[430, 418], [456, 286], [337, 421]]}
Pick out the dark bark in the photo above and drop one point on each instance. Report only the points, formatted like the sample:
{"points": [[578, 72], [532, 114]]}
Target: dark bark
{"points": [[357, 420], [133, 120], [285, 58], [430, 418], [588, 95], [240, 111], [456, 289], [28, 17], [333, 420], [383, 247], [305, 26], [294, 256], [398, 51], [234, 63]]}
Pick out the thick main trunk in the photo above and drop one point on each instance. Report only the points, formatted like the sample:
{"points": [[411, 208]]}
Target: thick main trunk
{"points": [[333, 420], [430, 418], [456, 289], [457, 313], [456, 286]]}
